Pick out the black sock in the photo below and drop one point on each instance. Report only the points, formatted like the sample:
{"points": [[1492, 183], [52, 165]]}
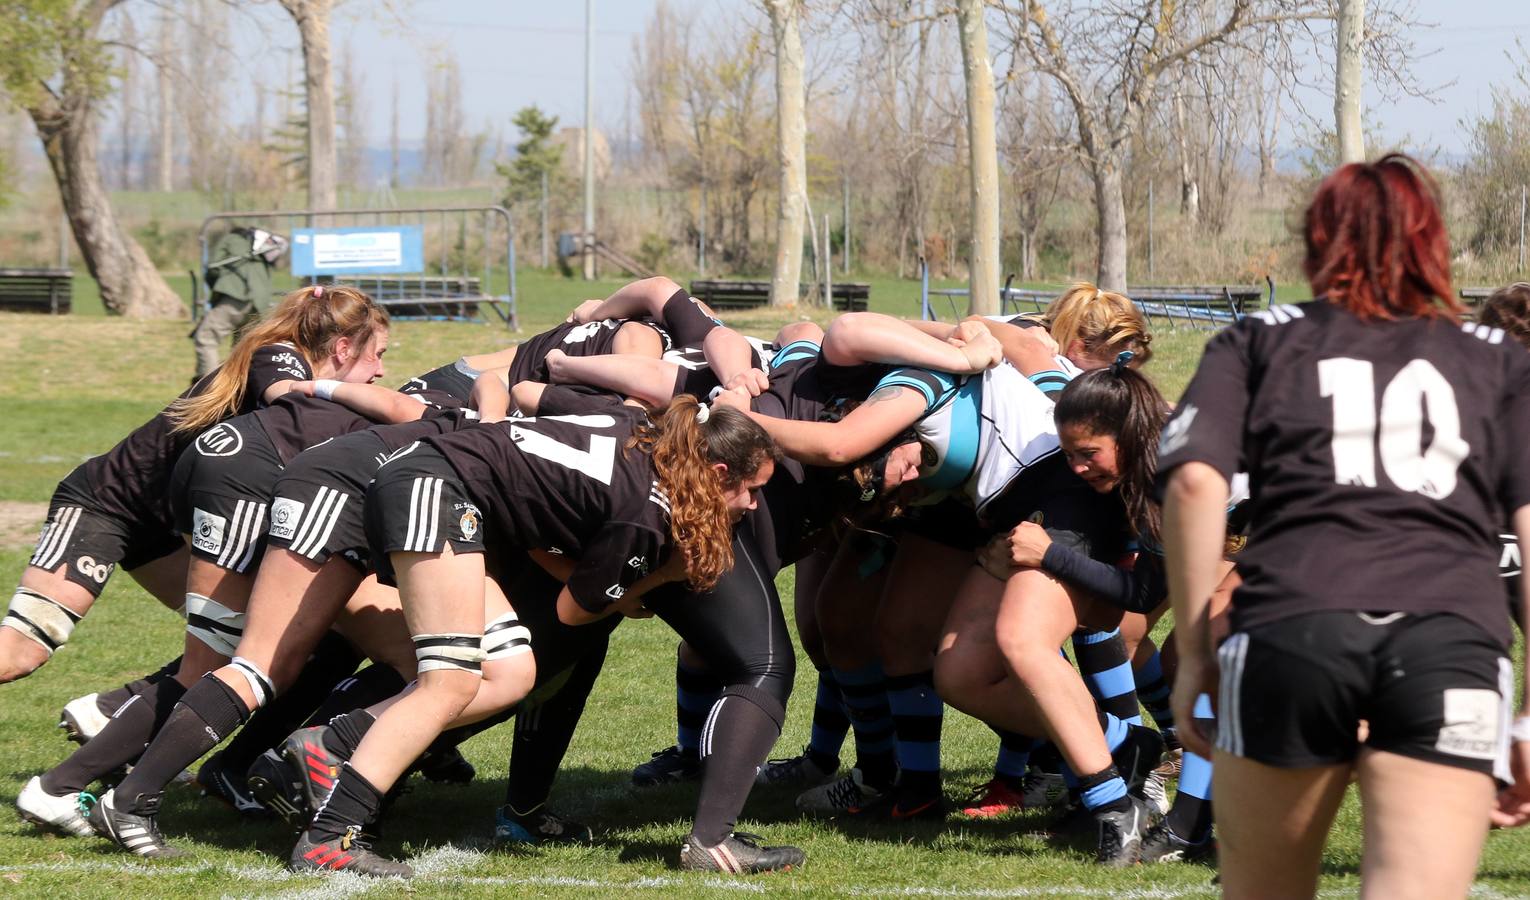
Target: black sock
{"points": [[371, 685], [332, 660], [353, 802], [111, 701], [346, 731], [1045, 758], [1190, 817], [120, 742], [696, 690], [208, 713], [746, 723], [542, 735]]}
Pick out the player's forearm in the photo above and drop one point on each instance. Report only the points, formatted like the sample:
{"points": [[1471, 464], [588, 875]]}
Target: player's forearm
{"points": [[644, 297], [490, 397], [727, 353], [374, 401], [861, 338]]}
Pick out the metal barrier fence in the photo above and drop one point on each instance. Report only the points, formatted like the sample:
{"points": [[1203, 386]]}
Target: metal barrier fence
{"points": [[1202, 307], [463, 248]]}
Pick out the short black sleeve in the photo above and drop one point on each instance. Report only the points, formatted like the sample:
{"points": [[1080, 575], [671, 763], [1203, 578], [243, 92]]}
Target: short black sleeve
{"points": [[687, 325], [1209, 424], [615, 559], [270, 364], [1514, 486]]}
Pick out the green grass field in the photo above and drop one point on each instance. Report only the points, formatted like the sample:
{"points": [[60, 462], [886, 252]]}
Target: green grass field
{"points": [[73, 386]]}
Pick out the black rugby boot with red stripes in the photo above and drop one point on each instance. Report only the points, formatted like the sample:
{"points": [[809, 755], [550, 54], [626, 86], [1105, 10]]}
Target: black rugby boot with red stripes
{"points": [[350, 852]]}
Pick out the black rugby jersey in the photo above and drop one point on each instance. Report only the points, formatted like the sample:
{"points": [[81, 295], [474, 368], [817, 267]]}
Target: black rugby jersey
{"points": [[455, 380], [588, 339], [1381, 457], [131, 481], [566, 484]]}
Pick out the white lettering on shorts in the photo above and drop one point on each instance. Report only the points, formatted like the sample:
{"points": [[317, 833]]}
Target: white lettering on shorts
{"points": [[207, 531], [97, 572], [1471, 723]]}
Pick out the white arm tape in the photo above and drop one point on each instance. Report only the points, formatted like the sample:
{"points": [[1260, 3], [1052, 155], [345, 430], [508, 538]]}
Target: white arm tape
{"points": [[505, 636], [324, 388], [42, 619], [214, 624]]}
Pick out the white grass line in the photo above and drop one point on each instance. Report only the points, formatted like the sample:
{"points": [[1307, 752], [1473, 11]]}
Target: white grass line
{"points": [[440, 866]]}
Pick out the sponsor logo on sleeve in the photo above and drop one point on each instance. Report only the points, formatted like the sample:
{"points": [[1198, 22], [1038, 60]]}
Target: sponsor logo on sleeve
{"points": [[640, 564], [222, 439], [207, 531], [615, 591], [1471, 723], [285, 515], [1177, 433], [1510, 561]]}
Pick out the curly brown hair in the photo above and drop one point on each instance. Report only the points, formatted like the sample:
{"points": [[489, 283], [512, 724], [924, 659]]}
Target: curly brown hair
{"points": [[684, 453], [1509, 308]]}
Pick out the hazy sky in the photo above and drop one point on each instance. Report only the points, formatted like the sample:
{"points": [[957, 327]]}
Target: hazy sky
{"points": [[515, 53]]}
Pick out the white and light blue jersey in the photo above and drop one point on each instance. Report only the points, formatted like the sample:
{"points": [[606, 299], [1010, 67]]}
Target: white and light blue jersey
{"points": [[980, 432]]}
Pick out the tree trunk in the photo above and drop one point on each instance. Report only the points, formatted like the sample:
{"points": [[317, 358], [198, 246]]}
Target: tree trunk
{"points": [[983, 270], [1347, 81], [1110, 227], [791, 150], [1189, 188], [312, 17], [130, 285]]}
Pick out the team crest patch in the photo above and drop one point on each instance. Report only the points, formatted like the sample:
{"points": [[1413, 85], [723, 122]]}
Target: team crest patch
{"points": [[285, 515], [469, 523], [207, 531], [1471, 723], [220, 440], [1234, 544]]}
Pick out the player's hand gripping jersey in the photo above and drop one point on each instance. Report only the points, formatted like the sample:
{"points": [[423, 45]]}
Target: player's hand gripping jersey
{"points": [[1381, 458]]}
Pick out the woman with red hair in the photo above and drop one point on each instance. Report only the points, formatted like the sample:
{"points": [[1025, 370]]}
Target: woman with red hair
{"points": [[1384, 442]]}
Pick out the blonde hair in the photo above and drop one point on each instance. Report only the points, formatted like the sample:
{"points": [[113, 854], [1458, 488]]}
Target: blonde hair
{"points": [[1105, 322], [311, 319]]}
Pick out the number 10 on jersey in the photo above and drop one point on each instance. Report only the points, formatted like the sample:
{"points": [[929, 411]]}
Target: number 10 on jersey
{"points": [[1396, 435]]}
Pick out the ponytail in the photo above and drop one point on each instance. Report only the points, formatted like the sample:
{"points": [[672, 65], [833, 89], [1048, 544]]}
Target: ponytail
{"points": [[1105, 322], [311, 319], [686, 440], [1121, 402]]}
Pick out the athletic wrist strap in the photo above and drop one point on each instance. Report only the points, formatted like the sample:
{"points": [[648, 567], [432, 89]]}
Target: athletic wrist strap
{"points": [[324, 388]]}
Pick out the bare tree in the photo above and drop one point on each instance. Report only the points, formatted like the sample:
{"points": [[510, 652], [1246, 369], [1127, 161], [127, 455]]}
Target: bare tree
{"points": [[127, 94], [983, 270], [312, 18], [791, 150], [1108, 62], [164, 171], [1349, 38]]}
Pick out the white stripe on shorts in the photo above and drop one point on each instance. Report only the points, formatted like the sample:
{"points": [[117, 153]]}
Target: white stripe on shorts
{"points": [[424, 515], [1231, 657], [1505, 721], [321, 537], [255, 527], [57, 538]]}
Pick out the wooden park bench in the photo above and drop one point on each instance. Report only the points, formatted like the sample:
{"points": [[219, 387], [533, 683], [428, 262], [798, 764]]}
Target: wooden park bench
{"points": [[849, 296], [36, 290]]}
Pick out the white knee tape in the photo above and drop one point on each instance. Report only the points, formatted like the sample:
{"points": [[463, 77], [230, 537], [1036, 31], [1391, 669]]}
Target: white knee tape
{"points": [[42, 619], [214, 624], [505, 636], [259, 681], [449, 651]]}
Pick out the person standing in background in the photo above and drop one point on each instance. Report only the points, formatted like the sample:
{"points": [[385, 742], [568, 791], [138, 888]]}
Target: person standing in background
{"points": [[239, 276]]}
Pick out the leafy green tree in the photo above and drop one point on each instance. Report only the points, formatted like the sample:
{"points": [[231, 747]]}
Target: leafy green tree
{"points": [[535, 154], [54, 65]]}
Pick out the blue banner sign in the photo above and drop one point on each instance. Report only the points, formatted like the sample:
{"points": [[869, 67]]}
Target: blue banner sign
{"points": [[375, 250]]}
